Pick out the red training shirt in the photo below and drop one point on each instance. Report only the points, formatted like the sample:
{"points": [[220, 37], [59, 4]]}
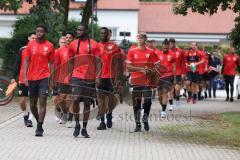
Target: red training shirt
{"points": [[166, 60], [141, 58], [179, 60], [85, 59], [192, 54], [61, 65], [110, 53], [230, 62], [39, 55], [21, 74]]}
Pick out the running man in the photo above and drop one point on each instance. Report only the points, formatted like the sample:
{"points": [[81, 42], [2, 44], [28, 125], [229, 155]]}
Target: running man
{"points": [[202, 70], [179, 73], [83, 52], [69, 38], [167, 60], [193, 58], [61, 69], [109, 78], [140, 60], [62, 81], [37, 68], [230, 63], [22, 88]]}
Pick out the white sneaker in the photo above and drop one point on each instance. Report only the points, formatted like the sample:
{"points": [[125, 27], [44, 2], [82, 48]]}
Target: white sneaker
{"points": [[57, 119], [62, 121], [170, 108], [69, 124], [142, 112], [163, 114], [178, 104]]}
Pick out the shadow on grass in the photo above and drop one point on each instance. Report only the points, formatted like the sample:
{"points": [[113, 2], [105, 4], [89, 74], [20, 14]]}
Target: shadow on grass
{"points": [[217, 130]]}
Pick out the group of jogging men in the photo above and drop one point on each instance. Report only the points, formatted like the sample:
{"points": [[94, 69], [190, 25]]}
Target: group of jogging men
{"points": [[83, 70]]}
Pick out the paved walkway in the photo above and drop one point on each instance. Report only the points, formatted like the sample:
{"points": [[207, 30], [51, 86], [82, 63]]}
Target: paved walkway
{"points": [[119, 143]]}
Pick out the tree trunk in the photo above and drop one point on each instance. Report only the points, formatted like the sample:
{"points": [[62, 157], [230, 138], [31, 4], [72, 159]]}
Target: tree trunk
{"points": [[87, 12], [65, 22]]}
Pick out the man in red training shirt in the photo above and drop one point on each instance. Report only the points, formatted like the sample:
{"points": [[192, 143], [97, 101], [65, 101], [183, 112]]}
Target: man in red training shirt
{"points": [[37, 69], [139, 60], [230, 64], [22, 88]]}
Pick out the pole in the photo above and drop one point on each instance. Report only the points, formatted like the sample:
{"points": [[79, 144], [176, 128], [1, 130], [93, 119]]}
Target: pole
{"points": [[92, 21]]}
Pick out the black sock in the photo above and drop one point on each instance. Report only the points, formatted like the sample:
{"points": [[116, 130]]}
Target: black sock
{"points": [[195, 96], [25, 118], [103, 119], [177, 98], [77, 123], [164, 106], [171, 102], [189, 94], [231, 91], [40, 124], [70, 117], [85, 125]]}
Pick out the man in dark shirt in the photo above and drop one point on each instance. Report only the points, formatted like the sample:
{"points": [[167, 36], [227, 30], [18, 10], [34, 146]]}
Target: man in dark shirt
{"points": [[213, 61]]}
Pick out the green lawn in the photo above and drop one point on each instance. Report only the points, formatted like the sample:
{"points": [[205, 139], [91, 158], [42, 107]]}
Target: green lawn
{"points": [[223, 130]]}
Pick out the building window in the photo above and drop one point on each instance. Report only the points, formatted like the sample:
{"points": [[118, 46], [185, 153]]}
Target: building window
{"points": [[114, 33], [79, 0]]}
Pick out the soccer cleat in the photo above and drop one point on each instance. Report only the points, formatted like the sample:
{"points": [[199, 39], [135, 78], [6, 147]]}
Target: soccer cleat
{"points": [[69, 124], [84, 133], [102, 126], [170, 108], [194, 101], [39, 131], [178, 104], [163, 114], [146, 126], [138, 128], [28, 123], [189, 99], [77, 130], [227, 99]]}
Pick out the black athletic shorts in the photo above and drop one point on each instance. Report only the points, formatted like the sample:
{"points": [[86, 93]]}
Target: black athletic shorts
{"points": [[229, 79], [106, 85], [61, 88], [64, 88], [166, 83], [22, 90], [38, 87], [178, 79], [55, 91], [192, 77], [203, 77], [83, 89]]}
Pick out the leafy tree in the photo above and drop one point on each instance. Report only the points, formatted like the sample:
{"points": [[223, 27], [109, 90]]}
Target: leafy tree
{"points": [[211, 7]]}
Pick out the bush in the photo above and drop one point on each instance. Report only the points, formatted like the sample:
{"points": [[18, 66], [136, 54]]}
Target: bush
{"points": [[3, 42], [9, 47]]}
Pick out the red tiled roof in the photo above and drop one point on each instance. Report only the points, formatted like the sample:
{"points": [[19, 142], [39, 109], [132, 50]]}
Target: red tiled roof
{"points": [[24, 10], [26, 7], [159, 17], [102, 4], [118, 4]]}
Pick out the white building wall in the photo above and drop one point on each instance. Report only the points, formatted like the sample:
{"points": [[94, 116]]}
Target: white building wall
{"points": [[6, 22], [119, 20], [202, 38]]}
